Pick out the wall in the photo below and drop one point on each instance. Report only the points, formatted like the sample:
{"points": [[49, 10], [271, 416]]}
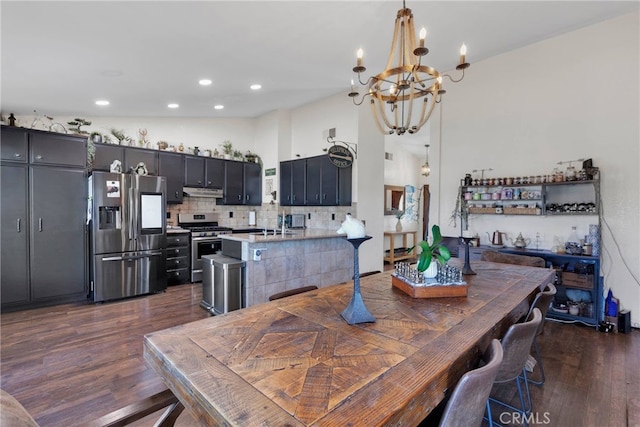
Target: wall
{"points": [[569, 97]]}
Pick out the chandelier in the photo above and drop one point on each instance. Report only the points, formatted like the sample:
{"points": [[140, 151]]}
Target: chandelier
{"points": [[393, 92]]}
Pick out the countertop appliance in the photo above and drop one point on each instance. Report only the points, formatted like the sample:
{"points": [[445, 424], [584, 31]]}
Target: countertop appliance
{"points": [[292, 221], [205, 238], [128, 235]]}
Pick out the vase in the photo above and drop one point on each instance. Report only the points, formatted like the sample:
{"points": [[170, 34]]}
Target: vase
{"points": [[431, 271], [399, 225]]}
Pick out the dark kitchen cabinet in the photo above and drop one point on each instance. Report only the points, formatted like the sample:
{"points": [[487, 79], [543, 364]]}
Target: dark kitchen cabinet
{"points": [[252, 184], [314, 181], [43, 215], [214, 173], [204, 172], [233, 183], [105, 154], [193, 171], [344, 186], [57, 243], [178, 258], [286, 171], [129, 158], [48, 148], [171, 166], [133, 156], [242, 183], [322, 182], [14, 144], [15, 234]]}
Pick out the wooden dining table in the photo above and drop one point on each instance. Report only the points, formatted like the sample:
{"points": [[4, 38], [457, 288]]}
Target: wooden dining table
{"points": [[296, 362]]}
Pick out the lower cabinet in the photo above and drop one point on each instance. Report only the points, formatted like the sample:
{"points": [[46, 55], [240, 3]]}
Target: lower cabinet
{"points": [[43, 235], [178, 259], [579, 297]]}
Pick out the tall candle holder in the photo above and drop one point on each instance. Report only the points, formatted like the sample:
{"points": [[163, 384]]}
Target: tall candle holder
{"points": [[356, 311], [466, 269]]}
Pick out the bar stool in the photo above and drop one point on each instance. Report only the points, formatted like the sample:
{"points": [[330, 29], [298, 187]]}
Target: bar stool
{"points": [[469, 399], [516, 346]]}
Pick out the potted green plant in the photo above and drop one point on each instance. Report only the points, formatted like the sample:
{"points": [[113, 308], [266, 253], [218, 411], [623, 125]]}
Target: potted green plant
{"points": [[432, 250], [227, 149]]}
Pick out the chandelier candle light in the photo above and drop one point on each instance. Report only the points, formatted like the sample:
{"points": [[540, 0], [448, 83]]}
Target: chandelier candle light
{"points": [[395, 89]]}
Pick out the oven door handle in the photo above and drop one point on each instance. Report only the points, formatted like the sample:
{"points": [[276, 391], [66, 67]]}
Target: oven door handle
{"points": [[206, 238]]}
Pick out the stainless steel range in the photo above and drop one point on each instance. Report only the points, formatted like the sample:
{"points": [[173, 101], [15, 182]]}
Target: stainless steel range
{"points": [[205, 238]]}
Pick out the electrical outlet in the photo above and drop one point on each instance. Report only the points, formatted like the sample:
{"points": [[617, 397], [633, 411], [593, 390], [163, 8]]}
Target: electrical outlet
{"points": [[257, 254], [230, 214], [333, 217]]}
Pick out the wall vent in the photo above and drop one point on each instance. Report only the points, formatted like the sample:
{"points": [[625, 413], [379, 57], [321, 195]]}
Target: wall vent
{"points": [[388, 156]]}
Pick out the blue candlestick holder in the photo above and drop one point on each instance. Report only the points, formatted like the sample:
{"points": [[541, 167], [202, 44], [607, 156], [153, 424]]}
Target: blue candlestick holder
{"points": [[356, 311]]}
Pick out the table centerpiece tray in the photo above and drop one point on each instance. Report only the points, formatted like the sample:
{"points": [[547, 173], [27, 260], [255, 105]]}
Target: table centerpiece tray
{"points": [[430, 289]]}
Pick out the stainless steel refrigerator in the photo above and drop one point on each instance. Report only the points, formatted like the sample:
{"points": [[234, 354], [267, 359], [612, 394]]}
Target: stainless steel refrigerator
{"points": [[128, 235]]}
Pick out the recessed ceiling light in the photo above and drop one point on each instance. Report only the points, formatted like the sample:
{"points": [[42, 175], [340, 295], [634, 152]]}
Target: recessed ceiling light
{"points": [[218, 107], [173, 105], [205, 82], [102, 102], [255, 86]]}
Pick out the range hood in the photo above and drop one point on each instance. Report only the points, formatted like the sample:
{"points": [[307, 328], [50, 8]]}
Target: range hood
{"points": [[213, 193]]}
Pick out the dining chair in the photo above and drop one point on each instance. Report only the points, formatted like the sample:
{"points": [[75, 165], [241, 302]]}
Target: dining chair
{"points": [[516, 346], [542, 302], [291, 292], [470, 398], [529, 261], [13, 414]]}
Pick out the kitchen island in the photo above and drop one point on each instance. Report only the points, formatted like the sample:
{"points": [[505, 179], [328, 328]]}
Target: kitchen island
{"points": [[279, 262]]}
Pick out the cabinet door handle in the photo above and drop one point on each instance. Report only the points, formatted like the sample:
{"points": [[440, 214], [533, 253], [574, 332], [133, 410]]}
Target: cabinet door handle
{"points": [[208, 183], [19, 225], [246, 197], [177, 195], [39, 224], [38, 157], [239, 197], [199, 182], [17, 155]]}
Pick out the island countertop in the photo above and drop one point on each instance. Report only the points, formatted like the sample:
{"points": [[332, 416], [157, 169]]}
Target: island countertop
{"points": [[290, 235]]}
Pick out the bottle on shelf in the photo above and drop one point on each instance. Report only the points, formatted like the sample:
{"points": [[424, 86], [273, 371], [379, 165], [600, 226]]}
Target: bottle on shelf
{"points": [[573, 245]]}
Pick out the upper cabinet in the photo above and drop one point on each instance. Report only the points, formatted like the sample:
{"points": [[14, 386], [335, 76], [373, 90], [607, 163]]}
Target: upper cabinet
{"points": [[242, 183], [203, 172], [14, 144], [314, 181], [48, 148], [129, 157], [171, 166]]}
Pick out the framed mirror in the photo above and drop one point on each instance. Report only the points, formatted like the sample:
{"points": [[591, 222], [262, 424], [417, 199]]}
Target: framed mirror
{"points": [[393, 199]]}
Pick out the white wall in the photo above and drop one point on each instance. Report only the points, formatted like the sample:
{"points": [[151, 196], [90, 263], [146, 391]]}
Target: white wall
{"points": [[573, 96]]}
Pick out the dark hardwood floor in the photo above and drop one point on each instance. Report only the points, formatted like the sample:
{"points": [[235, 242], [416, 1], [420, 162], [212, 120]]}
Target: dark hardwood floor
{"points": [[72, 363]]}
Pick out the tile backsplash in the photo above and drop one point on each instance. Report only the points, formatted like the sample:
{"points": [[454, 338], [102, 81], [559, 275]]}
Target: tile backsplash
{"points": [[316, 217]]}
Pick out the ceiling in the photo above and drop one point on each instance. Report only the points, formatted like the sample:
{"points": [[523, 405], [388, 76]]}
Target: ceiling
{"points": [[60, 57]]}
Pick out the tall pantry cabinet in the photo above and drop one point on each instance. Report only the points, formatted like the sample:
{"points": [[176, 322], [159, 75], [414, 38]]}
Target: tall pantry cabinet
{"points": [[43, 203]]}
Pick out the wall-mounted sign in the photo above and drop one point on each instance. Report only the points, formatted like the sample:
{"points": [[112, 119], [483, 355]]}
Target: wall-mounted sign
{"points": [[270, 172], [340, 156]]}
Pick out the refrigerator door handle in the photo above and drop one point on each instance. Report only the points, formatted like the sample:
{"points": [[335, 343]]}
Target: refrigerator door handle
{"points": [[133, 257]]}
